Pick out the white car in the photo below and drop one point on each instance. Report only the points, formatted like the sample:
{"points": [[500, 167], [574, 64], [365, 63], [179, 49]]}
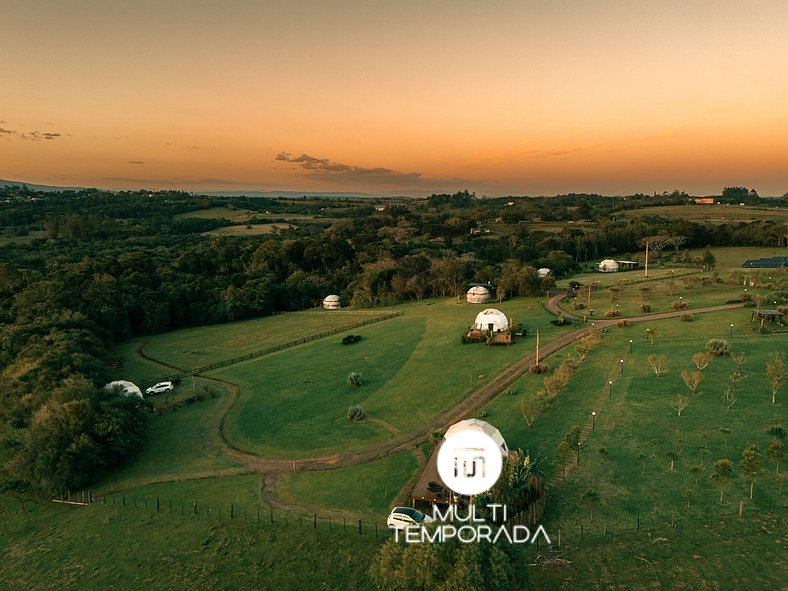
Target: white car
{"points": [[404, 517], [159, 388]]}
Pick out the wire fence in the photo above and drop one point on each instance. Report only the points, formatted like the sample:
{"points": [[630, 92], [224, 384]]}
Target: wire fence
{"points": [[267, 351]]}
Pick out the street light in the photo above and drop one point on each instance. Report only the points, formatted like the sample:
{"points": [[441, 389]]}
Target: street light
{"points": [[630, 345], [593, 421], [731, 329], [622, 366], [610, 388], [578, 453]]}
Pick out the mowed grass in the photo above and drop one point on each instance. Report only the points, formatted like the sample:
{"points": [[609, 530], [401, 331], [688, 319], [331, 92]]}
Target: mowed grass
{"points": [[233, 214], [135, 547], [294, 404], [625, 462], [370, 489], [193, 347], [708, 213], [248, 230]]}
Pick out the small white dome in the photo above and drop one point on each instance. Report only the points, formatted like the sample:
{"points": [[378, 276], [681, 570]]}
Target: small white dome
{"points": [[129, 389], [608, 265], [491, 319], [331, 302], [484, 427], [543, 272], [478, 294]]}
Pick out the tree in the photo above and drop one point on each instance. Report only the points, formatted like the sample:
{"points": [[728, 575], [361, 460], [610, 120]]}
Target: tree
{"points": [[589, 498], [718, 347], [687, 493], [775, 371], [677, 241], [702, 360], [657, 364], [680, 404], [645, 291], [709, 260], [651, 335], [736, 378], [656, 243], [672, 455], [729, 396], [776, 453], [750, 463], [572, 439], [562, 456], [776, 429], [738, 360], [353, 379], [720, 474], [692, 379]]}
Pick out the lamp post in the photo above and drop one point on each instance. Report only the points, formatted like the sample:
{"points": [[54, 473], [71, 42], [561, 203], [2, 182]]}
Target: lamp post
{"points": [[610, 388], [578, 453], [621, 361], [593, 421], [731, 329], [630, 345]]}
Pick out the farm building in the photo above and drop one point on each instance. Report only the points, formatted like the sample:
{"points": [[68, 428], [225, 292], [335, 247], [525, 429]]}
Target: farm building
{"points": [[544, 272], [478, 294], [128, 388], [331, 302], [608, 266]]}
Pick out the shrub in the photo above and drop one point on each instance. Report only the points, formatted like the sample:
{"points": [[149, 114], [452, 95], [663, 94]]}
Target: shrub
{"points": [[350, 339], [718, 347], [612, 314], [561, 321], [541, 368], [578, 305], [687, 318], [482, 412], [623, 324], [679, 305], [354, 379], [645, 307], [356, 413]]}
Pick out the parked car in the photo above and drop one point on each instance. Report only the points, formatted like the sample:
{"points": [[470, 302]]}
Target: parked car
{"points": [[159, 388], [403, 517]]}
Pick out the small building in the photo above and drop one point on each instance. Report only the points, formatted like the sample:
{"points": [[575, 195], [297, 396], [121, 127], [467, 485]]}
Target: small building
{"points": [[704, 200], [125, 388], [628, 265], [765, 316], [608, 266], [544, 272], [479, 294], [331, 302]]}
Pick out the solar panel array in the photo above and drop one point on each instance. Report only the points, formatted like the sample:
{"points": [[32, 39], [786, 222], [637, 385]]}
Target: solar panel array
{"points": [[767, 263]]}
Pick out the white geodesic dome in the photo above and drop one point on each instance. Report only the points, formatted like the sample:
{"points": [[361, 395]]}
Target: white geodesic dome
{"points": [[482, 426], [331, 302], [478, 294], [543, 272], [129, 389], [491, 319], [608, 266]]}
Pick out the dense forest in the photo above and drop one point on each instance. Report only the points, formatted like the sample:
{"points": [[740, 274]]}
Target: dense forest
{"points": [[82, 270]]}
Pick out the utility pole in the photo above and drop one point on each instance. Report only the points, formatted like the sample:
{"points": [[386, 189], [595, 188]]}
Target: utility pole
{"points": [[646, 257]]}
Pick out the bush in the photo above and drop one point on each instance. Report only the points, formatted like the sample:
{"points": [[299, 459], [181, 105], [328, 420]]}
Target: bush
{"points": [[718, 347], [578, 305], [645, 308], [561, 321], [541, 368], [612, 313], [354, 379], [679, 305], [623, 324], [687, 318], [356, 413], [350, 339]]}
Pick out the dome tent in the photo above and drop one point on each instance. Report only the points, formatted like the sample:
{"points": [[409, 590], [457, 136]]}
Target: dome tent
{"points": [[478, 294], [128, 388], [331, 302], [484, 427], [608, 266], [491, 319], [543, 272]]}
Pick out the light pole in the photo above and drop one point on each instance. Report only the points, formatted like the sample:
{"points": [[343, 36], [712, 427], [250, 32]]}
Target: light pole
{"points": [[593, 421], [621, 361], [578, 453], [610, 388], [731, 329], [630, 345]]}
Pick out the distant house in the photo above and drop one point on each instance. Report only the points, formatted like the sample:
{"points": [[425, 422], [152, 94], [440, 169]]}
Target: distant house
{"points": [[331, 302], [608, 266], [704, 200]]}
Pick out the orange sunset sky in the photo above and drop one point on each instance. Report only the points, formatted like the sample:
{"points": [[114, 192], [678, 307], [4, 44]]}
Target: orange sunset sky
{"points": [[499, 97]]}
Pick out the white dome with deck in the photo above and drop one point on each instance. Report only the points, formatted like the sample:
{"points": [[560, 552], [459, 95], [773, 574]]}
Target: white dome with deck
{"points": [[478, 294], [482, 426], [491, 319], [331, 302]]}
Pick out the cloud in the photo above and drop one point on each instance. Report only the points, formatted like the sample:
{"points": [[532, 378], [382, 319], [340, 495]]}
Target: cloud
{"points": [[33, 136], [136, 162], [325, 169], [7, 131]]}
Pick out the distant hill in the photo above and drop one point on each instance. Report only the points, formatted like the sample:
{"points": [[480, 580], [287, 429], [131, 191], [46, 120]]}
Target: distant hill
{"points": [[32, 187]]}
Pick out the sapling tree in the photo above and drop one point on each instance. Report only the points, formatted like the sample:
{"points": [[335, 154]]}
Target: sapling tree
{"points": [[590, 498], [729, 397], [692, 379], [776, 452], [750, 463], [776, 372], [562, 456], [645, 291], [702, 359], [353, 379], [738, 359], [672, 455], [776, 429], [725, 432], [720, 473], [657, 364], [680, 404], [687, 493], [736, 378]]}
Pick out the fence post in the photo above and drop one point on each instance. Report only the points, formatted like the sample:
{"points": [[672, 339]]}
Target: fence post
{"points": [[258, 513], [124, 499], [231, 510], [359, 527], [315, 522], [194, 507], [157, 505], [638, 528], [272, 514], [581, 533]]}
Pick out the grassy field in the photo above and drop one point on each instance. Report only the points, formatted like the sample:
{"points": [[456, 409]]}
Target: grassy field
{"points": [[709, 213], [248, 230]]}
